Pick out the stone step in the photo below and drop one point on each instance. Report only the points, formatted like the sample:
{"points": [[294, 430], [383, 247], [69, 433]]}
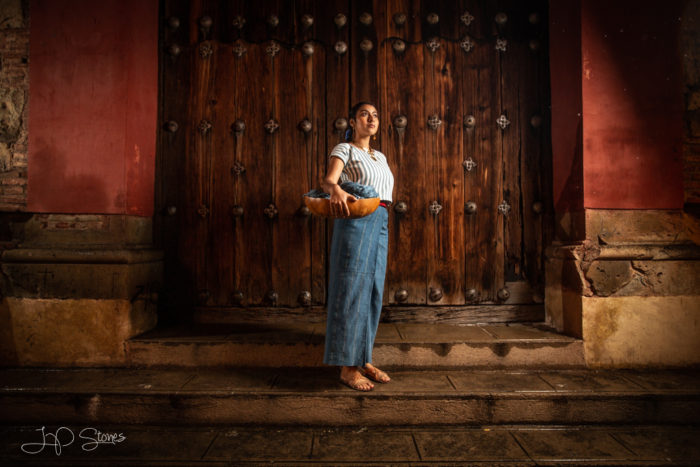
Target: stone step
{"points": [[314, 396], [223, 446], [397, 345]]}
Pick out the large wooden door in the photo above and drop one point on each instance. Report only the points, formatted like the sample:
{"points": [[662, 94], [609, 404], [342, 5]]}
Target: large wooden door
{"points": [[255, 95]]}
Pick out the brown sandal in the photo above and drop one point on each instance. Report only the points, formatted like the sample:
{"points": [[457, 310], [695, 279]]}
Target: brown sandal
{"points": [[375, 374]]}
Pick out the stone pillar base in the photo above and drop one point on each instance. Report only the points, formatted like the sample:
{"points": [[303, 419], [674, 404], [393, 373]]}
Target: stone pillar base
{"points": [[71, 332], [76, 289], [631, 291]]}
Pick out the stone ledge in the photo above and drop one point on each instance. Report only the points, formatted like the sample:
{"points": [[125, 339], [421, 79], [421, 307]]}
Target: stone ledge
{"points": [[641, 226], [589, 251], [108, 274], [81, 256], [79, 231]]}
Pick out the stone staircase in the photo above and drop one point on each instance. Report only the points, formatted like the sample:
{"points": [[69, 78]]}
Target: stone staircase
{"points": [[232, 393], [272, 374]]}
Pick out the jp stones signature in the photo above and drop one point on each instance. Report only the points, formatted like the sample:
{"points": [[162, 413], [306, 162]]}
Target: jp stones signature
{"points": [[64, 436]]}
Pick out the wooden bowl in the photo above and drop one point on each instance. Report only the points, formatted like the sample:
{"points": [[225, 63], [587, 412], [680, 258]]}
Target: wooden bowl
{"points": [[360, 208]]}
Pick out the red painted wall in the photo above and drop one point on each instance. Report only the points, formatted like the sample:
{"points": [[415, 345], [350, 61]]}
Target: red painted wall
{"points": [[632, 104], [565, 78], [93, 106]]}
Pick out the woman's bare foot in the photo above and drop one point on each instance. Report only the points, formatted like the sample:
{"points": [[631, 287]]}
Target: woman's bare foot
{"points": [[375, 373], [353, 378]]}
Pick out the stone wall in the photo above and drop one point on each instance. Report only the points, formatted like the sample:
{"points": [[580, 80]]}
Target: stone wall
{"points": [[14, 93], [690, 44]]}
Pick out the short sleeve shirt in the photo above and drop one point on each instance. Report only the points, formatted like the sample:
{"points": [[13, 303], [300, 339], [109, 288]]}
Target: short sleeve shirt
{"points": [[361, 168]]}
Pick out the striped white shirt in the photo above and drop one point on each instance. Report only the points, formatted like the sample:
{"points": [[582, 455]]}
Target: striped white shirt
{"points": [[361, 168]]}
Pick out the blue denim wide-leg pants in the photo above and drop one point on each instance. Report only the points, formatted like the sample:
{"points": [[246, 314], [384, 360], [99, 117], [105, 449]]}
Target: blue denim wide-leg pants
{"points": [[355, 287]]}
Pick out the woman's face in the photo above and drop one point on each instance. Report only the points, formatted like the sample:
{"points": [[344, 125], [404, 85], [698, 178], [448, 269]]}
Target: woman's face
{"points": [[366, 121]]}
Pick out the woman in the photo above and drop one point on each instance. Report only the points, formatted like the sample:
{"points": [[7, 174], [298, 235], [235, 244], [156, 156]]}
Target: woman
{"points": [[358, 252]]}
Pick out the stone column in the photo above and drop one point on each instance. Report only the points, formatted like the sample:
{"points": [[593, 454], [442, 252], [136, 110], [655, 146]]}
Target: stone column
{"points": [[80, 274], [625, 275], [76, 287]]}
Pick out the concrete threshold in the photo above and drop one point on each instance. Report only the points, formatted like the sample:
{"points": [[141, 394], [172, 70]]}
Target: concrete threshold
{"points": [[397, 345], [314, 396]]}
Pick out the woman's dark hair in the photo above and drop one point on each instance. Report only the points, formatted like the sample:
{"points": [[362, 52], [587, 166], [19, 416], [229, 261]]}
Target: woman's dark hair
{"points": [[353, 113]]}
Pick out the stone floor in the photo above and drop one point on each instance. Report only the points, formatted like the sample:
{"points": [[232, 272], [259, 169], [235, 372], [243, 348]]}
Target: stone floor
{"points": [[245, 445]]}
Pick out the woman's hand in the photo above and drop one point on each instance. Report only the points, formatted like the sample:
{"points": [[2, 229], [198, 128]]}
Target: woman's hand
{"points": [[339, 197], [339, 202]]}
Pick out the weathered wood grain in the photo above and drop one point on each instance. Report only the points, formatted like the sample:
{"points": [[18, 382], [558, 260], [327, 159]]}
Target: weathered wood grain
{"points": [[474, 79], [457, 315], [543, 80], [238, 179], [221, 244], [497, 185], [473, 314], [363, 73], [530, 165], [511, 106], [316, 146], [254, 228], [403, 95], [482, 90], [337, 106], [197, 187], [291, 265], [449, 258]]}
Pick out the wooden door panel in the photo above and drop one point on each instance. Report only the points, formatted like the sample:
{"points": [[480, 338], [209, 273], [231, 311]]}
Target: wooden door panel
{"points": [[291, 239], [510, 59], [445, 178], [497, 184], [411, 30], [257, 27], [405, 150], [237, 115], [315, 146], [533, 177], [253, 227], [485, 236], [363, 72], [337, 69], [175, 82], [287, 252], [198, 165], [221, 254], [478, 85], [226, 259]]}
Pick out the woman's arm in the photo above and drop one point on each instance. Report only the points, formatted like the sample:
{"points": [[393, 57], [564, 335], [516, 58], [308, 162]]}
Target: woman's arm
{"points": [[329, 184]]}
